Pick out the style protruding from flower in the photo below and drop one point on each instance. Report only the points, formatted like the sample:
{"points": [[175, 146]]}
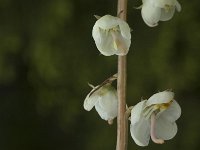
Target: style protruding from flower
{"points": [[104, 98], [155, 118], [112, 35], [154, 11]]}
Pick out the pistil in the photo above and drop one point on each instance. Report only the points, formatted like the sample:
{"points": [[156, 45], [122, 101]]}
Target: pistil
{"points": [[118, 40], [153, 134]]}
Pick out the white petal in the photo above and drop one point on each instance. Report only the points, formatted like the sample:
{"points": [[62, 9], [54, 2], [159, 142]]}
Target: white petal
{"points": [[163, 3], [161, 97], [92, 98], [125, 29], [178, 6], [137, 112], [107, 22], [165, 129], [140, 127], [144, 1], [103, 41], [126, 34], [150, 14], [127, 42], [107, 105], [140, 132], [167, 15], [90, 101], [172, 113], [96, 34]]}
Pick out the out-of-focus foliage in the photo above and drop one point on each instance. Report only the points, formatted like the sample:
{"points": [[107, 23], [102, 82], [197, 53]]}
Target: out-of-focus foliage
{"points": [[47, 57]]}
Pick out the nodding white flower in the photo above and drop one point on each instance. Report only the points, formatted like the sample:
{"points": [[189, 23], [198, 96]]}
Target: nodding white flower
{"points": [[104, 99], [112, 35], [154, 11], [155, 118]]}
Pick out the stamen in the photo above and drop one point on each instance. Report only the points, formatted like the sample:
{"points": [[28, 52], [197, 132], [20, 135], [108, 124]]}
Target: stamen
{"points": [[148, 111], [153, 134], [119, 43], [168, 8], [164, 106]]}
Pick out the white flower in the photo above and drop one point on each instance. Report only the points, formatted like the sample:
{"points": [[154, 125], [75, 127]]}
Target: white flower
{"points": [[155, 118], [105, 101], [112, 35], [154, 11]]}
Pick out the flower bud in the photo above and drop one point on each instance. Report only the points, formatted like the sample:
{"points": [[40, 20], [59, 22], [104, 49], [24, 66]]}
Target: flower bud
{"points": [[104, 99], [154, 11]]}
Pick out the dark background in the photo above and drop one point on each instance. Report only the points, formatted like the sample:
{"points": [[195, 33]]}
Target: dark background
{"points": [[47, 57]]}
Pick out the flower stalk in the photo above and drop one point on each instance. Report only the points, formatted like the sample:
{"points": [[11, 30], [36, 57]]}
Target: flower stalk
{"points": [[121, 88]]}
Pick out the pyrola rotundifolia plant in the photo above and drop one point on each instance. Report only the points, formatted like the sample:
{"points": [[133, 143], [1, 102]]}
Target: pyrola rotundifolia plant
{"points": [[153, 118]]}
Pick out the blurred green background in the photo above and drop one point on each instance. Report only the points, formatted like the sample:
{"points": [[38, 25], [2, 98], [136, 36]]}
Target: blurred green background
{"points": [[47, 57]]}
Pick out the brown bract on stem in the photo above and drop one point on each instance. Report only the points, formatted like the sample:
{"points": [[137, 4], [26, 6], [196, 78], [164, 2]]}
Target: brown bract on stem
{"points": [[121, 88]]}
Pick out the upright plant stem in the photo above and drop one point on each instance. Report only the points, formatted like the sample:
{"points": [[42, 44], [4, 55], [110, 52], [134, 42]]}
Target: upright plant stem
{"points": [[121, 88]]}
